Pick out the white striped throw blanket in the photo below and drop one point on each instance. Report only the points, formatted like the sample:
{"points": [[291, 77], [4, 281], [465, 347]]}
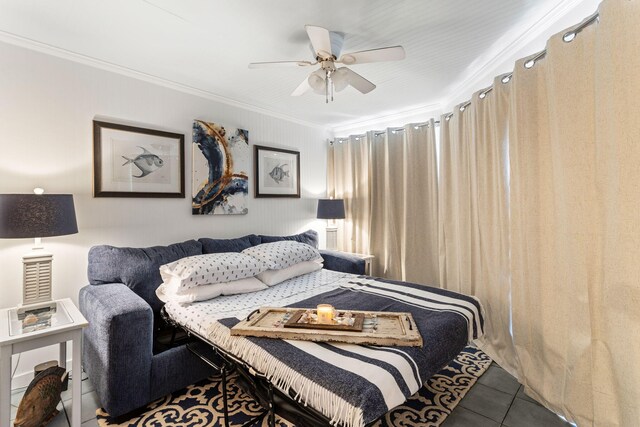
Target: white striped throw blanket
{"points": [[352, 385]]}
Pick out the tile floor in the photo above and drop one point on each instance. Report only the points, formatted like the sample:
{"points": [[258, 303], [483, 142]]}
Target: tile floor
{"points": [[496, 400]]}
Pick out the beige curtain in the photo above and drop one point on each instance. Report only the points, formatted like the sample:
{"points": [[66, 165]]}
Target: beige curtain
{"points": [[575, 221], [474, 226], [349, 178], [389, 182], [405, 204], [458, 210]]}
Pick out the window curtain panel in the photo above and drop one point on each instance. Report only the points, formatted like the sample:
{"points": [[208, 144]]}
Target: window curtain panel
{"points": [[389, 181], [349, 178], [474, 213], [575, 221], [404, 205]]}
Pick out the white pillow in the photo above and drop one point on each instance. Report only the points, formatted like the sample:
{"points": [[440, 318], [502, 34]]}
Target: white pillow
{"points": [[202, 293], [208, 269], [283, 254], [273, 277]]}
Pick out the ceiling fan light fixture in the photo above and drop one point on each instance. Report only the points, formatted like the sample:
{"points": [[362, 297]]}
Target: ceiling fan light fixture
{"points": [[317, 83], [340, 79], [348, 59]]}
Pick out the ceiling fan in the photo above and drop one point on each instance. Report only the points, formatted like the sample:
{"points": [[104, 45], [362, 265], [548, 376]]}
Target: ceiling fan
{"points": [[326, 47]]}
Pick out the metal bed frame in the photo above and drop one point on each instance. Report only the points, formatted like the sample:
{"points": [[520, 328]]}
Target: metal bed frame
{"points": [[255, 383]]}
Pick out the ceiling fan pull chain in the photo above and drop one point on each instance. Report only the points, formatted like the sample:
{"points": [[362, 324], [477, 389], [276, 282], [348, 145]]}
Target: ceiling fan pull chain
{"points": [[326, 88], [330, 78]]}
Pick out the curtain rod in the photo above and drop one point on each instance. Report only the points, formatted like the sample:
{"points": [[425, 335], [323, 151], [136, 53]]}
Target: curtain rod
{"points": [[567, 37], [378, 133]]}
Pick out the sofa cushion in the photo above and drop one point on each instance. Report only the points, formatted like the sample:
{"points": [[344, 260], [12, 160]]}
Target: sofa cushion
{"points": [[214, 246], [310, 237], [137, 268]]}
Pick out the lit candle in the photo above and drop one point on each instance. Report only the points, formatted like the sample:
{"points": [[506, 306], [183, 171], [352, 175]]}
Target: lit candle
{"points": [[325, 313]]}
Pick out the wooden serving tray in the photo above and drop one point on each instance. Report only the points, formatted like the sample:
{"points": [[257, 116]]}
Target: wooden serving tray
{"points": [[379, 328], [294, 322]]}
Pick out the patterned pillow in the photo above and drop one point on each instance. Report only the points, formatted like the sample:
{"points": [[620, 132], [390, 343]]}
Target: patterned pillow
{"points": [[208, 269], [203, 293], [273, 277], [283, 254]]}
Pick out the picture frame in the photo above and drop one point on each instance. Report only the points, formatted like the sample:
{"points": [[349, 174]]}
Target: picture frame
{"points": [[131, 161], [277, 172]]}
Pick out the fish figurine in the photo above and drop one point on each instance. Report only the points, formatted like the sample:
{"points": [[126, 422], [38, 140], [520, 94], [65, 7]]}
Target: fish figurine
{"points": [[38, 405], [278, 173], [147, 162]]}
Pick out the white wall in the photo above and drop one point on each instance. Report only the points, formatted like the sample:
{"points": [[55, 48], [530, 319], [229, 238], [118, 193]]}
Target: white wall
{"points": [[47, 105]]}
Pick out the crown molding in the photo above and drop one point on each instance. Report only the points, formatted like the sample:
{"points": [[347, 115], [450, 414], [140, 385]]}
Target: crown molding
{"points": [[485, 65], [45, 48], [396, 118]]}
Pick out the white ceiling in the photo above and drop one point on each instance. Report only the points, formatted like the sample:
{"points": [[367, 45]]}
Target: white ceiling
{"points": [[205, 45]]}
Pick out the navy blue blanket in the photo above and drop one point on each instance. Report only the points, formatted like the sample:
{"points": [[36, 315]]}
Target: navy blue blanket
{"points": [[372, 378]]}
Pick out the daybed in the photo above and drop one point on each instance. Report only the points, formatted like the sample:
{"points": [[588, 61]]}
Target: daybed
{"points": [[126, 350], [317, 383]]}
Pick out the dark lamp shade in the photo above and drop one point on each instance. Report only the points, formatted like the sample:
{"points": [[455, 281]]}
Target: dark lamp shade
{"points": [[31, 215], [330, 209]]}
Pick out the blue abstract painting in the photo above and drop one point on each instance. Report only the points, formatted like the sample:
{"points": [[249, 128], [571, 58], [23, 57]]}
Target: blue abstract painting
{"points": [[221, 159]]}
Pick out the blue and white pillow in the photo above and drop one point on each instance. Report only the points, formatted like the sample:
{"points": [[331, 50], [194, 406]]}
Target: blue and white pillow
{"points": [[283, 254], [208, 269], [206, 292]]}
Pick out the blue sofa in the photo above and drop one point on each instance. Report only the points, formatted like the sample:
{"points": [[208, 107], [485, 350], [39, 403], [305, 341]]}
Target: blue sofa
{"points": [[125, 352]]}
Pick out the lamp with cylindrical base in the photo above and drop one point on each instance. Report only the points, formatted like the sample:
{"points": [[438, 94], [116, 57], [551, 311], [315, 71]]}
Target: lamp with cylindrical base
{"points": [[331, 209], [36, 216]]}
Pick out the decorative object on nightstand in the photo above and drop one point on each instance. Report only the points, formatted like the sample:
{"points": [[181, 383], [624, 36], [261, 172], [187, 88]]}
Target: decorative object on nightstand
{"points": [[331, 209], [35, 216], [64, 322], [38, 405]]}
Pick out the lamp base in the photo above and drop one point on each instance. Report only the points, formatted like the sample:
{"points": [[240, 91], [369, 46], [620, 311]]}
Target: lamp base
{"points": [[36, 285], [332, 238]]}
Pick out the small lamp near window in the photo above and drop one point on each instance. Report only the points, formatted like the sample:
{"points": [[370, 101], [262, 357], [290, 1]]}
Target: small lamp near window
{"points": [[35, 216], [331, 209]]}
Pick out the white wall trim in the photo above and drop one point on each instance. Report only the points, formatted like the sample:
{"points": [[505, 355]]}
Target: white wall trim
{"points": [[27, 43]]}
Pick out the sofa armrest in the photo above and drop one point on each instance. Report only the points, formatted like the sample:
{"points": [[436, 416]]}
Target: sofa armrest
{"points": [[117, 350], [343, 262]]}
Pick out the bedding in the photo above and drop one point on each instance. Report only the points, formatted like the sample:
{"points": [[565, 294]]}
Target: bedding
{"points": [[352, 385], [283, 254], [273, 277], [209, 269], [206, 292]]}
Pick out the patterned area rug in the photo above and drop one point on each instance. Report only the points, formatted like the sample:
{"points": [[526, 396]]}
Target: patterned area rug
{"points": [[200, 404]]}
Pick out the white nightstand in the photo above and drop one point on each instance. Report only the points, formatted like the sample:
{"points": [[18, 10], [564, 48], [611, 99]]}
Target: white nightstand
{"points": [[367, 261], [65, 325]]}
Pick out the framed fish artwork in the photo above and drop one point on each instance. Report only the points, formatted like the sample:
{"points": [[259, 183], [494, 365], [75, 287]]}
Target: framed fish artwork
{"points": [[277, 172], [221, 161], [130, 161]]}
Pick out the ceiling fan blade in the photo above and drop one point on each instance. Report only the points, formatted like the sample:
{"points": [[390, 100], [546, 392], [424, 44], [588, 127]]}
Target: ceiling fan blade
{"points": [[358, 82], [393, 53], [320, 40], [302, 88], [280, 64]]}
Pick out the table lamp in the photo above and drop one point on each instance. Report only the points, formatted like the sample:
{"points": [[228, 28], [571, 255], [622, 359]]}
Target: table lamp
{"points": [[35, 216], [331, 209]]}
